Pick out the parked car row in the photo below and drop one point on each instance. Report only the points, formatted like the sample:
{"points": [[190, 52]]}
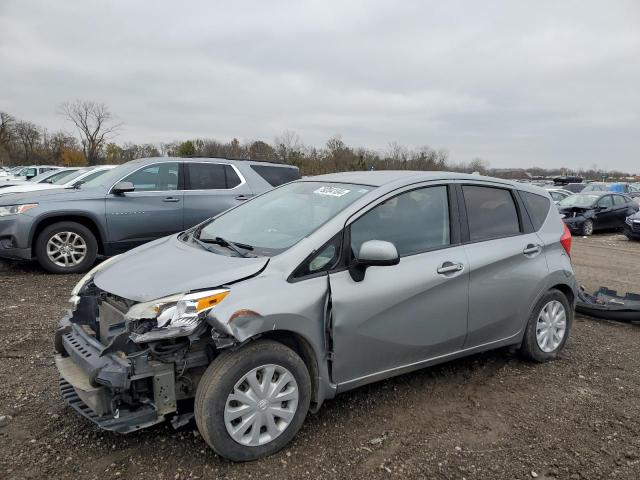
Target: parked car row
{"points": [[58, 178], [115, 209], [312, 289], [22, 174]]}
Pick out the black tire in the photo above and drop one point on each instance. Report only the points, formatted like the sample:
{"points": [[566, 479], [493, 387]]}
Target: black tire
{"points": [[587, 228], [218, 382], [530, 349], [87, 236]]}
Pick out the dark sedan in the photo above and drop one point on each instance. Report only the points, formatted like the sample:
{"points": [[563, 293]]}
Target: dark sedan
{"points": [[585, 213]]}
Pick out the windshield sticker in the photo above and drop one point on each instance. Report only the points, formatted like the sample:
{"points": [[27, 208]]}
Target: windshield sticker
{"points": [[331, 191]]}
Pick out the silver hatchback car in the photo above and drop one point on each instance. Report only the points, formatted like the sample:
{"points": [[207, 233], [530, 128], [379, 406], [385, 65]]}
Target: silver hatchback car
{"points": [[251, 319]]}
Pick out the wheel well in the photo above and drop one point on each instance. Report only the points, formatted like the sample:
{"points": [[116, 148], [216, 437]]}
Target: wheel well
{"points": [[298, 344], [87, 222], [567, 291]]}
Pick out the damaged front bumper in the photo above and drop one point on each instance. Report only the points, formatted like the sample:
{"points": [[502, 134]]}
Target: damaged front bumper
{"points": [[117, 391]]}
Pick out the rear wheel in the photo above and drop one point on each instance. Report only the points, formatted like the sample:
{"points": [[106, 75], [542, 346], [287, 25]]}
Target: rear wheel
{"points": [[548, 327], [250, 403], [66, 247]]}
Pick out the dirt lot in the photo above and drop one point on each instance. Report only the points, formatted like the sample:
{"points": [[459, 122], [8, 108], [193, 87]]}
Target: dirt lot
{"points": [[488, 416]]}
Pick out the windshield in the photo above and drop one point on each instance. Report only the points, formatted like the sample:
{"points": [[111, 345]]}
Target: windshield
{"points": [[46, 175], [68, 178], [579, 200], [282, 217], [58, 176], [108, 178]]}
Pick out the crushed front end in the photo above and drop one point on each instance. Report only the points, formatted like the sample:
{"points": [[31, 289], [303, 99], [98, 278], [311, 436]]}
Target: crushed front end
{"points": [[125, 367]]}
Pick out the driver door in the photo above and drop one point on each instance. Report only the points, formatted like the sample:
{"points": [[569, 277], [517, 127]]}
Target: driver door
{"points": [[605, 216], [399, 316], [152, 210]]}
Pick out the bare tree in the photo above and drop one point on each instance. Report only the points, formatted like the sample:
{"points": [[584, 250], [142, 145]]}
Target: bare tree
{"points": [[94, 123], [29, 136]]}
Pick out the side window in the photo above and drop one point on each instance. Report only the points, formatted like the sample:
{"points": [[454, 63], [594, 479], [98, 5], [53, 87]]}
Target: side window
{"points": [[491, 212], [233, 180], [158, 177], [606, 201], [414, 222], [206, 176], [276, 176], [211, 176], [619, 200], [324, 260], [538, 207]]}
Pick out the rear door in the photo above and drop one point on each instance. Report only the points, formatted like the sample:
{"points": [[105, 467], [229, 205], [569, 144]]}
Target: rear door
{"points": [[211, 188], [506, 261], [152, 211], [621, 209], [399, 316]]}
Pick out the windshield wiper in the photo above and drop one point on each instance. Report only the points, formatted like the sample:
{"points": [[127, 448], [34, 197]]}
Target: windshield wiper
{"points": [[225, 243]]}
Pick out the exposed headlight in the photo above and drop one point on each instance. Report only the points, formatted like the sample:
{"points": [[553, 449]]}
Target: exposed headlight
{"points": [[177, 315], [16, 209], [84, 280]]}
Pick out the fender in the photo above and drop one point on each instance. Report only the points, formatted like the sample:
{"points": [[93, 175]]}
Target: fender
{"points": [[62, 215]]}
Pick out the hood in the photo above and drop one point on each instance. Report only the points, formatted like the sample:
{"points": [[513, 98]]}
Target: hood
{"points": [[53, 194], [168, 266], [27, 188], [569, 211]]}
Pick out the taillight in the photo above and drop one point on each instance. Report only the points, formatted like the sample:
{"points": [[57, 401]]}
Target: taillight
{"points": [[565, 239]]}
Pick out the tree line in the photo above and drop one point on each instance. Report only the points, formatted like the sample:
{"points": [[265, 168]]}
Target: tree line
{"points": [[23, 143]]}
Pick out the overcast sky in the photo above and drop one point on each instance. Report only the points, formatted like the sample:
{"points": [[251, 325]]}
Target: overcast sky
{"points": [[516, 83]]}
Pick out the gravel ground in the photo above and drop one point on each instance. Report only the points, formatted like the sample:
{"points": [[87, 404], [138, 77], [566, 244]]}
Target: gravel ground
{"points": [[487, 416]]}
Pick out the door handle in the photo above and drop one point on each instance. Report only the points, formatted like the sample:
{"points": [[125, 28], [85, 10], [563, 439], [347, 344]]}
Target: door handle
{"points": [[532, 249], [243, 197], [171, 199], [449, 267]]}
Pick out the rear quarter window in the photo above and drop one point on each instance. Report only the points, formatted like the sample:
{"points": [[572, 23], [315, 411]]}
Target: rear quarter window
{"points": [[276, 176], [537, 206]]}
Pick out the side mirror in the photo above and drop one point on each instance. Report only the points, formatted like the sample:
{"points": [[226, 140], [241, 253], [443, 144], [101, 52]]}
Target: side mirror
{"points": [[373, 253], [121, 188]]}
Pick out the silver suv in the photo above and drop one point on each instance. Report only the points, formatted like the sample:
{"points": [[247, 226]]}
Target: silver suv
{"points": [[248, 321]]}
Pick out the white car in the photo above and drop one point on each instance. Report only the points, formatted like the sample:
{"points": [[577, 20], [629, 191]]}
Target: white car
{"points": [[27, 173], [67, 178]]}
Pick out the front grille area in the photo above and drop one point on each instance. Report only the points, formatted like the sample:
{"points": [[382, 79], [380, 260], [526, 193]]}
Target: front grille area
{"points": [[111, 321]]}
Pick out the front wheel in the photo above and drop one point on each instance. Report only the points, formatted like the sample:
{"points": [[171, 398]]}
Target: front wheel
{"points": [[548, 327], [66, 247], [587, 228], [250, 403]]}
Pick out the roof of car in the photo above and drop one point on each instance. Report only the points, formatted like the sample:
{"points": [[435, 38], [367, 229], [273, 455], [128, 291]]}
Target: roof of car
{"points": [[378, 178], [230, 160]]}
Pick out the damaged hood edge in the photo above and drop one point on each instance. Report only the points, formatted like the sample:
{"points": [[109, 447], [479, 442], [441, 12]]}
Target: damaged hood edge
{"points": [[169, 266]]}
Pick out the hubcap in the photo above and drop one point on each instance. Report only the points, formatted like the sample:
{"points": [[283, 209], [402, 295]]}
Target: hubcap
{"points": [[551, 326], [66, 249], [261, 405], [588, 228]]}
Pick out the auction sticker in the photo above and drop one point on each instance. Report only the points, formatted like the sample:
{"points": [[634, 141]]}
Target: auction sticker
{"points": [[331, 191]]}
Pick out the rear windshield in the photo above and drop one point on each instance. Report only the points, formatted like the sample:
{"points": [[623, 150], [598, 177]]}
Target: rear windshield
{"points": [[276, 176], [537, 206]]}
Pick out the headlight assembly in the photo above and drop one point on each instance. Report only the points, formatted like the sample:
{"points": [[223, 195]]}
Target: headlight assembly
{"points": [[177, 315], [84, 280], [16, 209]]}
